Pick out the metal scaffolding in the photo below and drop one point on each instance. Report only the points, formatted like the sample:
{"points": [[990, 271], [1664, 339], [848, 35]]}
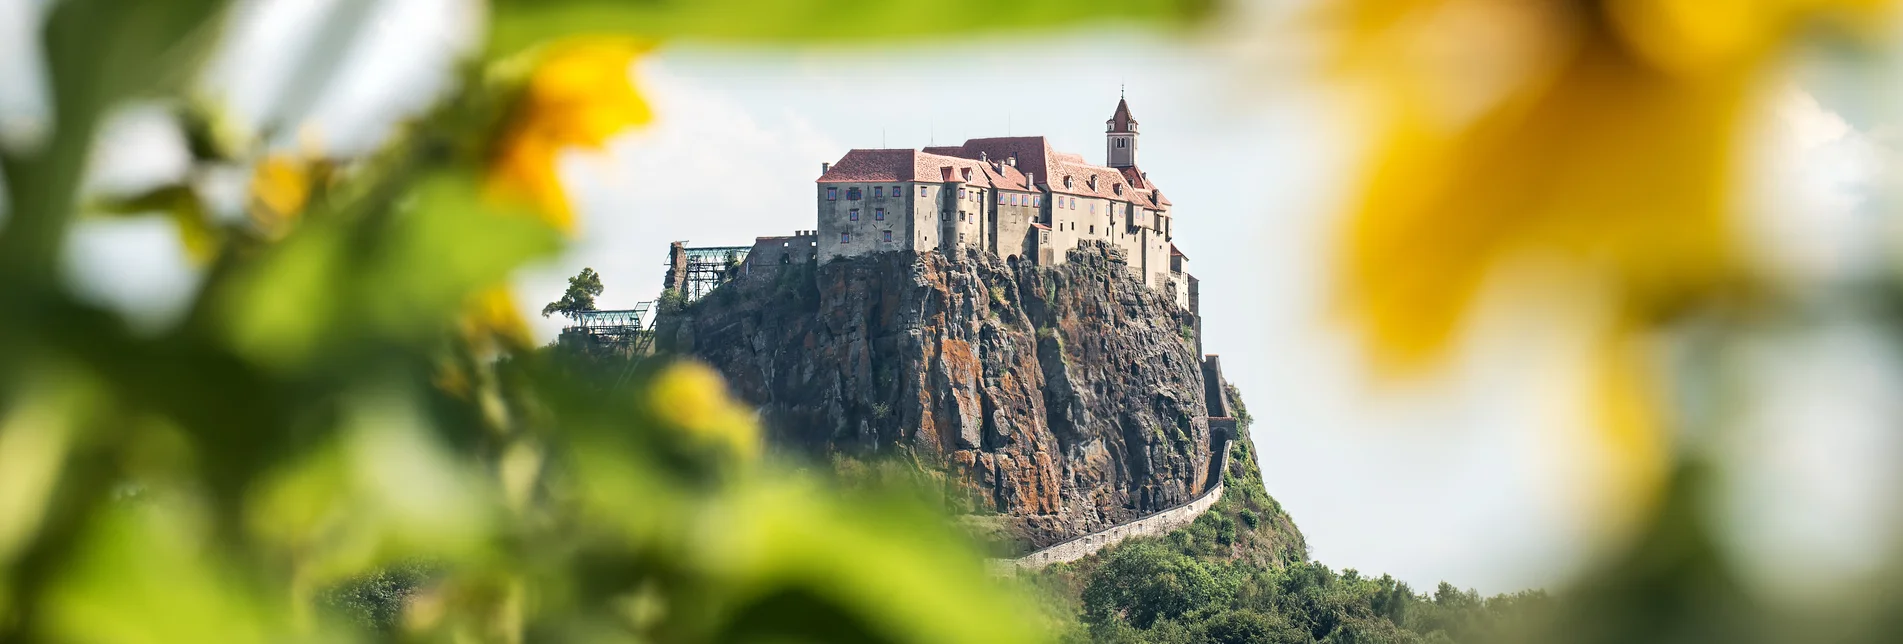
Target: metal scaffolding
{"points": [[703, 269], [631, 327]]}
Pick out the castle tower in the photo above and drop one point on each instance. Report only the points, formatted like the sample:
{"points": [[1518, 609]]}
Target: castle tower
{"points": [[1120, 138]]}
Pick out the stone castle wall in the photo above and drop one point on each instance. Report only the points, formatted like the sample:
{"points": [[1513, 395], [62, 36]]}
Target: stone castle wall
{"points": [[1223, 430], [1154, 524]]}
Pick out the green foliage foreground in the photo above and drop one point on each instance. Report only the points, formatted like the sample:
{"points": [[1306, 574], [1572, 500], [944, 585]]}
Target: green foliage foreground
{"points": [[344, 393]]}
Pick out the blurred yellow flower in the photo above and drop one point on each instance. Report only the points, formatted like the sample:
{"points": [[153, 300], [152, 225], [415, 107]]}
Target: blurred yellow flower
{"points": [[280, 184], [280, 187], [1603, 135], [492, 313], [580, 93], [693, 397]]}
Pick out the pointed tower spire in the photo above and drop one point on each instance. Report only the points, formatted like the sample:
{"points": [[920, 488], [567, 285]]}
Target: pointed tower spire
{"points": [[1120, 137]]}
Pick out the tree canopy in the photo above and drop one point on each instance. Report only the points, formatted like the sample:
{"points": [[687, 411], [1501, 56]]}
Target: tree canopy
{"points": [[580, 297]]}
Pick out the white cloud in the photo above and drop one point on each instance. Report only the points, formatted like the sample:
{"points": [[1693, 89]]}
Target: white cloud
{"points": [[1809, 194]]}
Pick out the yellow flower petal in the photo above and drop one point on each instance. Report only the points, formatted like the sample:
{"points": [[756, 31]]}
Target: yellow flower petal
{"points": [[492, 313], [1614, 152], [1610, 151], [1632, 428], [693, 396], [580, 94], [280, 185]]}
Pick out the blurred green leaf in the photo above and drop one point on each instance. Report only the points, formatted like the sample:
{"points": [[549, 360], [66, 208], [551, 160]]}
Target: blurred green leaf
{"points": [[144, 574], [517, 24], [403, 278]]}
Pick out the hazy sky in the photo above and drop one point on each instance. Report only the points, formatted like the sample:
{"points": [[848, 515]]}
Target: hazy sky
{"points": [[1480, 478]]}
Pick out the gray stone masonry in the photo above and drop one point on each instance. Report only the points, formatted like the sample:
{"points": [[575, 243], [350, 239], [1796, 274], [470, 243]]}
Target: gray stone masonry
{"points": [[1222, 430], [1155, 524]]}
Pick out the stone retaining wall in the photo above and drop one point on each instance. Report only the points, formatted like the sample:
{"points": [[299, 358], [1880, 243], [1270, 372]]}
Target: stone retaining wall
{"points": [[1155, 524]]}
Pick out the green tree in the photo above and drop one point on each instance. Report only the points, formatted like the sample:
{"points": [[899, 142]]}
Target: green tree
{"points": [[580, 297], [1251, 627], [1145, 581]]}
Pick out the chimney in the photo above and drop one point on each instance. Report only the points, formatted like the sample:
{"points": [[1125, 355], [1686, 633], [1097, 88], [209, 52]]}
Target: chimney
{"points": [[825, 167], [1012, 160], [984, 156]]}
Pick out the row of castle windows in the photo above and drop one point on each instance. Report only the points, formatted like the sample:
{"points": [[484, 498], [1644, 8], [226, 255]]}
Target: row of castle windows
{"points": [[878, 192], [878, 214], [846, 236], [1004, 199]]}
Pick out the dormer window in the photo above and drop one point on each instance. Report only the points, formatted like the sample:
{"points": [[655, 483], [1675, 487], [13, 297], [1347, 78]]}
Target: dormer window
{"points": [[1067, 181], [1092, 181], [1116, 188], [966, 172]]}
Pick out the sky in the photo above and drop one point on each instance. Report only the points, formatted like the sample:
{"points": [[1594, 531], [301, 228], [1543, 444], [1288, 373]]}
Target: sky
{"points": [[1483, 477]]}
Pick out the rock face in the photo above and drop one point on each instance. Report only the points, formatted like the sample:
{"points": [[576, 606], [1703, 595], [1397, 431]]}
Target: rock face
{"points": [[1070, 398]]}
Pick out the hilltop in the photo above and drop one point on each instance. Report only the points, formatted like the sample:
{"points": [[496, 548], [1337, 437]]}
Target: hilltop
{"points": [[1062, 399]]}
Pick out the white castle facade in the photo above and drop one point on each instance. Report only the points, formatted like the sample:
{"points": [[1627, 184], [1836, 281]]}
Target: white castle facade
{"points": [[1013, 197]]}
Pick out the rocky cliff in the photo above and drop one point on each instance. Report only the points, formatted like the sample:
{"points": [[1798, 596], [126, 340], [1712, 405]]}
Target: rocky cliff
{"points": [[1068, 398]]}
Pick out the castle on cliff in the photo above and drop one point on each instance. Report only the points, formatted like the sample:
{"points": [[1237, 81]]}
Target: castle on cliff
{"points": [[1013, 197]]}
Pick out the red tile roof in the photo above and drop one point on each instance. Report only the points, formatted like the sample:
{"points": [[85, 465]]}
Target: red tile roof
{"points": [[1121, 121], [988, 160], [877, 166]]}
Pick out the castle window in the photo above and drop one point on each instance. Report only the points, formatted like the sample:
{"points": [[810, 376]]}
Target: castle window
{"points": [[921, 191], [832, 194], [853, 194], [887, 234], [845, 237], [896, 190], [1001, 199], [1037, 200], [855, 215], [961, 193], [878, 191], [961, 238], [1093, 230], [878, 214], [1093, 208], [1120, 142]]}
